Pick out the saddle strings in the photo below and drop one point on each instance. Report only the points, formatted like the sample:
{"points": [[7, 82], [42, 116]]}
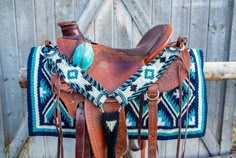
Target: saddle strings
{"points": [[141, 143], [187, 111], [181, 43], [57, 118], [180, 106], [187, 107], [180, 113]]}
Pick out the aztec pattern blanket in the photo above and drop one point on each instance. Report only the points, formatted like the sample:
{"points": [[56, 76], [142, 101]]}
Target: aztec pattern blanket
{"points": [[41, 103]]}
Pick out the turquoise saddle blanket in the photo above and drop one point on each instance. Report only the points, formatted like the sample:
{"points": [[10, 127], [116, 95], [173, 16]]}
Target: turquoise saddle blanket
{"points": [[42, 102]]}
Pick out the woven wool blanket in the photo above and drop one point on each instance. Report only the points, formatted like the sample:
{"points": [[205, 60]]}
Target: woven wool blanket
{"points": [[42, 102]]}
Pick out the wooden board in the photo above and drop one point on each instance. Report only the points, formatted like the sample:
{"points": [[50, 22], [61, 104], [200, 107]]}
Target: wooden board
{"points": [[2, 138], [180, 18], [9, 60], [64, 11], [216, 43], [45, 22], [122, 26], [162, 12], [209, 25], [198, 28], [104, 24], [230, 101]]}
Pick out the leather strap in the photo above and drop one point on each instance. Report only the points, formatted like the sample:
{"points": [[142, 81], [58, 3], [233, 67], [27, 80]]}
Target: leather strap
{"points": [[88, 148], [143, 143], [93, 119], [57, 119], [83, 149], [187, 111], [180, 113], [152, 96], [140, 143]]}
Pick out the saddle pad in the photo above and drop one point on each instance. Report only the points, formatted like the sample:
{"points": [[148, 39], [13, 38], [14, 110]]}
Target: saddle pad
{"points": [[42, 102], [168, 107]]}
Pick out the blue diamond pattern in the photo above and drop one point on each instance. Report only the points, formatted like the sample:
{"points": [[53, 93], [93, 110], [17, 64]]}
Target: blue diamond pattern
{"points": [[72, 74], [149, 74]]}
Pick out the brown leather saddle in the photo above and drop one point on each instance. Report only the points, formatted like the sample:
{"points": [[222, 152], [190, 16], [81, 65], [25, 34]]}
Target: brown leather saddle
{"points": [[111, 67]]}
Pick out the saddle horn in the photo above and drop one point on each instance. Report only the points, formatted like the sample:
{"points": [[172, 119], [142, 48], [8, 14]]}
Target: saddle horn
{"points": [[70, 30]]}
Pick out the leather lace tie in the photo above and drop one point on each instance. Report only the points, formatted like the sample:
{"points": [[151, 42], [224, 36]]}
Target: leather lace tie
{"points": [[57, 119]]}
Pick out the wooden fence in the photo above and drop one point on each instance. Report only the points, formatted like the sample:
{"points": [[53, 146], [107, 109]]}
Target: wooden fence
{"points": [[208, 24]]}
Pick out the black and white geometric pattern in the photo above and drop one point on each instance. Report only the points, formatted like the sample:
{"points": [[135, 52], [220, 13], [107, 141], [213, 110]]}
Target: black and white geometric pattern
{"points": [[91, 89]]}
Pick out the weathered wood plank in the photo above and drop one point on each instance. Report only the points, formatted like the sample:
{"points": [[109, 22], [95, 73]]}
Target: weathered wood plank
{"points": [[68, 144], [220, 70], [104, 24], [202, 150], [79, 7], [2, 138], [216, 43], [198, 24], [64, 11], [44, 21], [147, 6], [198, 30], [171, 148], [33, 147], [90, 34], [161, 12], [225, 156], [230, 99], [138, 14], [136, 35], [228, 118], [211, 142], [11, 92], [25, 29], [89, 14], [162, 148], [122, 26], [180, 18], [20, 138], [192, 146]]}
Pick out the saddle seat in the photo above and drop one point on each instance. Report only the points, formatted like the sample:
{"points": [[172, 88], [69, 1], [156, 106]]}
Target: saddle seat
{"points": [[114, 62], [111, 67]]}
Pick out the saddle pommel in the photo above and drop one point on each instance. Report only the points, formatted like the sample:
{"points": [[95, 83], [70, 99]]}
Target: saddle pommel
{"points": [[70, 30]]}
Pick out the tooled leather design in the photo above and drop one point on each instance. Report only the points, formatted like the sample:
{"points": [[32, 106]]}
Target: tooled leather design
{"points": [[96, 131], [67, 97], [152, 120], [171, 75], [93, 113]]}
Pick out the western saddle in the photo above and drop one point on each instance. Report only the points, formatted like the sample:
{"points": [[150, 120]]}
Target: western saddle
{"points": [[112, 67]]}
